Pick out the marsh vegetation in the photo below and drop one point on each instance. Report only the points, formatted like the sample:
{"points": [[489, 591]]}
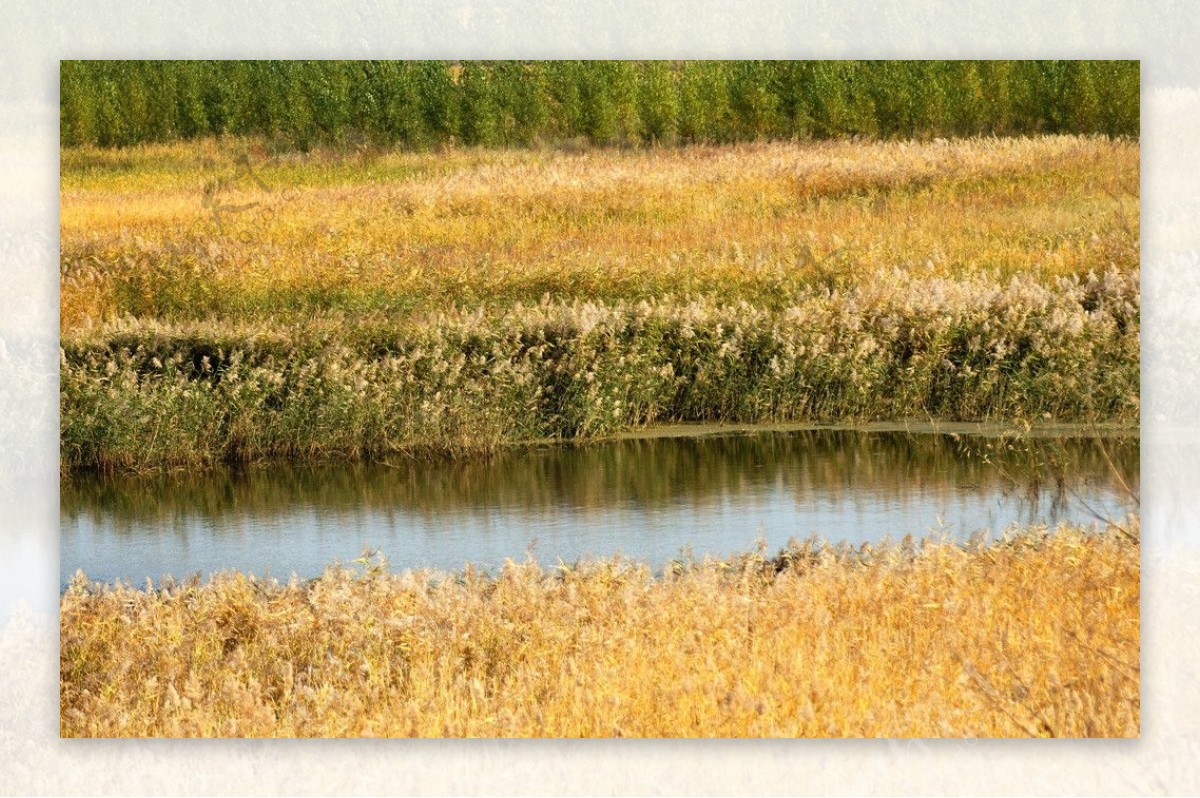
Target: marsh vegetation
{"points": [[356, 307], [269, 264]]}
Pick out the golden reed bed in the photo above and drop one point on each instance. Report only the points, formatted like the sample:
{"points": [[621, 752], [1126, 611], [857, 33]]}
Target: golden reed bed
{"points": [[223, 230], [1034, 636]]}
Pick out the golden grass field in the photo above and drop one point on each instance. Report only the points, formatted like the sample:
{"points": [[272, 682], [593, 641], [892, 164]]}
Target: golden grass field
{"points": [[1037, 635], [221, 229]]}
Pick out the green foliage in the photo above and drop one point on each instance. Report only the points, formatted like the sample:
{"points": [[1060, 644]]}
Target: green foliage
{"points": [[504, 103], [607, 97], [77, 108], [754, 100], [191, 113], [658, 103], [705, 112], [836, 99], [1119, 86], [483, 114], [392, 103], [439, 100]]}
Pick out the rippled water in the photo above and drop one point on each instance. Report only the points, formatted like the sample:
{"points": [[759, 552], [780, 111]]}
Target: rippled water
{"points": [[652, 500]]}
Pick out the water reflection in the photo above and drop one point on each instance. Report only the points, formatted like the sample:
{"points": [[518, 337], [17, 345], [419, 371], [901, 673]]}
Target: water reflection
{"points": [[647, 499]]}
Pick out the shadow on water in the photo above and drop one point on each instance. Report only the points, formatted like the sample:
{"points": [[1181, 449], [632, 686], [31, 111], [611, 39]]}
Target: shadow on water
{"points": [[646, 498]]}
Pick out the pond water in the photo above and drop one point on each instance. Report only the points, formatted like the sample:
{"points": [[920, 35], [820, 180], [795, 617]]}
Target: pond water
{"points": [[653, 500]]}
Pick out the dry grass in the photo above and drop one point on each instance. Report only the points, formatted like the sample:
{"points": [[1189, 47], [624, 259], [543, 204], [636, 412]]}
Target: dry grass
{"points": [[222, 304], [1035, 636], [220, 229]]}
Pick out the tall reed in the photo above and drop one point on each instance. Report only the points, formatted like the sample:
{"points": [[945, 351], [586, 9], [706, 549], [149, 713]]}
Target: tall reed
{"points": [[144, 393]]}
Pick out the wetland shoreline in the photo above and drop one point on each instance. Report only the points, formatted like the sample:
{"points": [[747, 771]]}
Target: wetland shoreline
{"points": [[647, 498]]}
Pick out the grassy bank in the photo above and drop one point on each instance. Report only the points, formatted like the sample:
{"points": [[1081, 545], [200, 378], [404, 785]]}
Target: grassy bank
{"points": [[148, 394], [221, 305], [1035, 636]]}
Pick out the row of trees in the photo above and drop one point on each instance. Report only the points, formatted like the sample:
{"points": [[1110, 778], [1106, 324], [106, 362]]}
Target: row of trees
{"points": [[517, 103]]}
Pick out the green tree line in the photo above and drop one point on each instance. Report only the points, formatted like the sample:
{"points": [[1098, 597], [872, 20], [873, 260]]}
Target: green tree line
{"points": [[418, 104]]}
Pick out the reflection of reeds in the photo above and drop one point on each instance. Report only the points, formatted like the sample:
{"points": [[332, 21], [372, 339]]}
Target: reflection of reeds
{"points": [[650, 473], [1035, 635], [145, 394]]}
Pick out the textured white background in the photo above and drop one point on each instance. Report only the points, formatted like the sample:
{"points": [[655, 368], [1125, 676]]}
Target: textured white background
{"points": [[34, 36]]}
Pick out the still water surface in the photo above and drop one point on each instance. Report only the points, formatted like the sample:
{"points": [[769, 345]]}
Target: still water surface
{"points": [[651, 500]]}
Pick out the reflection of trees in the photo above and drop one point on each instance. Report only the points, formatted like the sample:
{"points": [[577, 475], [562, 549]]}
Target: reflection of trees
{"points": [[821, 465]]}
